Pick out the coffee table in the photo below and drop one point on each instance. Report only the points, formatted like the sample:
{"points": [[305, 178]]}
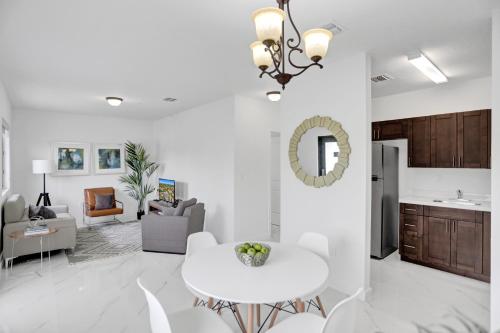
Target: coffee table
{"points": [[19, 235]]}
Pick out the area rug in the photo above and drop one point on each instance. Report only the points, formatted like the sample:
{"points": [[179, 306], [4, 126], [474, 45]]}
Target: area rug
{"points": [[106, 240]]}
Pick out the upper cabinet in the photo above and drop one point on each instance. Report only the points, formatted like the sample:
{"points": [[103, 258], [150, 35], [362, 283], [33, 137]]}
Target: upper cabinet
{"points": [[444, 141], [473, 139], [390, 130], [419, 142], [454, 140]]}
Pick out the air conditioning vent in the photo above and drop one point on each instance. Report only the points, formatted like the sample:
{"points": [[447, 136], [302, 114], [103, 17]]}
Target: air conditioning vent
{"points": [[333, 27], [170, 99], [381, 78]]}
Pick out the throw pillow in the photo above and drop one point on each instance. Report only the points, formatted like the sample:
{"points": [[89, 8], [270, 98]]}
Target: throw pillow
{"points": [[41, 211], [179, 211], [103, 201]]}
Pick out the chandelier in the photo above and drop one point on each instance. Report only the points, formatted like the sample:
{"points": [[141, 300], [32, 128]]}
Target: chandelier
{"points": [[270, 52]]}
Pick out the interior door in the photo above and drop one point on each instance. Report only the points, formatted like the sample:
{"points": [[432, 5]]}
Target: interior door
{"points": [[444, 141], [473, 139], [437, 241], [467, 246], [419, 142]]}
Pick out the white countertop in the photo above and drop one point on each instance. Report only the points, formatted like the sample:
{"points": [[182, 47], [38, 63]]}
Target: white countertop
{"points": [[485, 206]]}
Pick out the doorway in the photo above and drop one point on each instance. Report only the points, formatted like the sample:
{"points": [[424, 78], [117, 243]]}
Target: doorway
{"points": [[275, 184]]}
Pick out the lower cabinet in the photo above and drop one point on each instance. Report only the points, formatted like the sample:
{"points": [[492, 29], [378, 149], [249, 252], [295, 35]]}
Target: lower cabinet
{"points": [[437, 241], [454, 240]]}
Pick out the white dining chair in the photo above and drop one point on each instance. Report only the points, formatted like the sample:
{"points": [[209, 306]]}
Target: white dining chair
{"points": [[199, 241], [341, 319], [318, 244], [198, 320]]}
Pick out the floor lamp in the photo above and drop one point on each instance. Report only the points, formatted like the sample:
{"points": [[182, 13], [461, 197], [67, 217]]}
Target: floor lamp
{"points": [[42, 167]]}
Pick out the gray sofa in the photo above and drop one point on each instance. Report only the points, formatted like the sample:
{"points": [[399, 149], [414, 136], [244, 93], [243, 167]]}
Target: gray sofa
{"points": [[16, 218], [162, 231]]}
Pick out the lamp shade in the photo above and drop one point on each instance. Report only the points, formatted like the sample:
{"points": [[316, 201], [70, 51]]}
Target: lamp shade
{"points": [[317, 41], [261, 57], [268, 23], [42, 166]]}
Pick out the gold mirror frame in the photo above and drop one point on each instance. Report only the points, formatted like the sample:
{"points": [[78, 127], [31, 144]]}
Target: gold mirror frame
{"points": [[342, 140]]}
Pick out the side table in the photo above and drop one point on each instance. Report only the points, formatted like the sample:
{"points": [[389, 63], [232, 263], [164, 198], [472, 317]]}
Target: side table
{"points": [[19, 235]]}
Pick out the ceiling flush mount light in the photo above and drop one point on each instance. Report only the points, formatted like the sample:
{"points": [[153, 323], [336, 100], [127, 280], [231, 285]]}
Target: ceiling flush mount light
{"points": [[114, 101], [274, 96], [427, 67], [270, 52]]}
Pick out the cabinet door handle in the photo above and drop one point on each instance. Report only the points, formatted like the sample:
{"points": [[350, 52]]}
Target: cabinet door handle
{"points": [[453, 160], [379, 133], [409, 161], [411, 209], [460, 164], [410, 225], [409, 246]]}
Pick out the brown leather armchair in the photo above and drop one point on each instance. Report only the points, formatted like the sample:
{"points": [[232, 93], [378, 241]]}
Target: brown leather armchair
{"points": [[89, 210]]}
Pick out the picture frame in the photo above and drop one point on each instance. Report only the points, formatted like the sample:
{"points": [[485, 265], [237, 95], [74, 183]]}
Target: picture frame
{"points": [[109, 158], [71, 158]]}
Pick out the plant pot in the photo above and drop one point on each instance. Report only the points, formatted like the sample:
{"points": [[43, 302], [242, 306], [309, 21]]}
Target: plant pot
{"points": [[140, 214]]}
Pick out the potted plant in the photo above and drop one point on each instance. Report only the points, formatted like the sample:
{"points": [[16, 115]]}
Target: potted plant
{"points": [[141, 169]]}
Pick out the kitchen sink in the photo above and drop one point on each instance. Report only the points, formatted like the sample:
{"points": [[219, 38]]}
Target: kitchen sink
{"points": [[464, 202]]}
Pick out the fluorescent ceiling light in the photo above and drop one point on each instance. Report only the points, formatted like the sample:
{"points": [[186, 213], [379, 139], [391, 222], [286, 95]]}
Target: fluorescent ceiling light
{"points": [[114, 101], [428, 68], [274, 96]]}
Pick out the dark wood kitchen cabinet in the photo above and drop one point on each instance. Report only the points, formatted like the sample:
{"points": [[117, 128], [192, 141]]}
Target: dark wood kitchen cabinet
{"points": [[444, 141], [390, 130], [437, 241], [466, 247], [419, 142], [453, 140], [473, 139], [453, 240], [486, 244]]}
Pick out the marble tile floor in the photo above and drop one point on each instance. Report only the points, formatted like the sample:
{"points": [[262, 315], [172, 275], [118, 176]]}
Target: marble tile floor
{"points": [[102, 296]]}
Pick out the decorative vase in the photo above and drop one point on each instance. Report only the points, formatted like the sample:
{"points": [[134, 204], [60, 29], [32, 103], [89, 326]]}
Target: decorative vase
{"points": [[140, 214]]}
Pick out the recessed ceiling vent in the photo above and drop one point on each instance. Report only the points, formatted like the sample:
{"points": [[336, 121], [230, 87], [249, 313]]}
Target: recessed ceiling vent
{"points": [[381, 78], [333, 27], [170, 99]]}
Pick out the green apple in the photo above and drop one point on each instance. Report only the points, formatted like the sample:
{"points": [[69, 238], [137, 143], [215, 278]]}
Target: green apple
{"points": [[242, 249], [257, 246], [264, 250], [251, 252], [247, 246]]}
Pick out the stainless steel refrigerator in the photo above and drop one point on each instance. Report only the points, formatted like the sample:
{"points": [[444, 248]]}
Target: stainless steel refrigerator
{"points": [[385, 200]]}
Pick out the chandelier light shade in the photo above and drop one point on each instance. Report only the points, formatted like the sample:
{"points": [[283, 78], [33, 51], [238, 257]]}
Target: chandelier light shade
{"points": [[280, 63], [316, 42], [269, 24], [261, 58]]}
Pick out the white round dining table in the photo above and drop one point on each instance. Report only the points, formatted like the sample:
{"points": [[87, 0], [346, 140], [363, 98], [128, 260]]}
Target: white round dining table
{"points": [[290, 273]]}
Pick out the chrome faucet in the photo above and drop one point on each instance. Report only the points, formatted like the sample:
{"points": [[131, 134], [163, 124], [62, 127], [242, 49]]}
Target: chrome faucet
{"points": [[460, 194]]}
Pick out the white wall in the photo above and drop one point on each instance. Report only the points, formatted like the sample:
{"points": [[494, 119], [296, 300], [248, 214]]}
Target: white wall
{"points": [[220, 154], [340, 91], [446, 98], [254, 122], [495, 226], [33, 132], [5, 113], [196, 148]]}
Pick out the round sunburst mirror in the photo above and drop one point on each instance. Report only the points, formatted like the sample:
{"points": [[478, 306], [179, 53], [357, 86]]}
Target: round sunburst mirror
{"points": [[319, 151]]}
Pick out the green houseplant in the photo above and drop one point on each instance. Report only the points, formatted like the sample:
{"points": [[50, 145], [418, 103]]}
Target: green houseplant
{"points": [[140, 171]]}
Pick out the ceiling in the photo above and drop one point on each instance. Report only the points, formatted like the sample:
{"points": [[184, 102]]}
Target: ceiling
{"points": [[67, 55]]}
